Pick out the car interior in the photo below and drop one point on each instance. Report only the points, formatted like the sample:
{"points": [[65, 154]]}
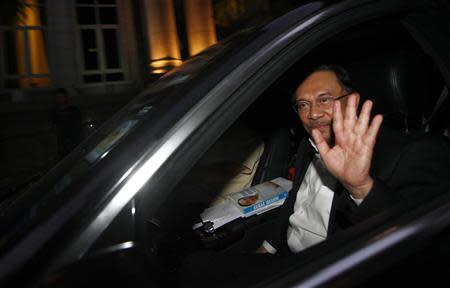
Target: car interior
{"points": [[386, 65], [402, 81]]}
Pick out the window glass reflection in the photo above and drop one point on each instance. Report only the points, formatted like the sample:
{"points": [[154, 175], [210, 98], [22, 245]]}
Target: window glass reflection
{"points": [[89, 49], [108, 15], [112, 53], [86, 15]]}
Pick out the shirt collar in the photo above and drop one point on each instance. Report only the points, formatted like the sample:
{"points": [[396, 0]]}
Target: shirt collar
{"points": [[313, 145]]}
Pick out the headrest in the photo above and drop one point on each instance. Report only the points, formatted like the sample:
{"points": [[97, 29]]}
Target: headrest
{"points": [[397, 81]]}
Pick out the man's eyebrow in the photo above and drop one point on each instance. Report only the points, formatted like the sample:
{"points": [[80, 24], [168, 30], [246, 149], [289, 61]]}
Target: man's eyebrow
{"points": [[326, 93], [321, 94]]}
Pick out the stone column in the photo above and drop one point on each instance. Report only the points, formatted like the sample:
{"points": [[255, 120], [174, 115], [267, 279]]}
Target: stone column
{"points": [[200, 25], [164, 50]]}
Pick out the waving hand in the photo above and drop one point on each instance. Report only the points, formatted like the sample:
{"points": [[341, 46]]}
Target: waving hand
{"points": [[350, 158]]}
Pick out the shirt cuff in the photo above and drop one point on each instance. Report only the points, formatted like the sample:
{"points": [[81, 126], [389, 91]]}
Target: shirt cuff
{"points": [[357, 201], [269, 247]]}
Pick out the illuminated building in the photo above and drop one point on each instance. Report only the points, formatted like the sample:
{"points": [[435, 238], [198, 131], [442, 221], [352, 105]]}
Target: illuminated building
{"points": [[109, 47]]}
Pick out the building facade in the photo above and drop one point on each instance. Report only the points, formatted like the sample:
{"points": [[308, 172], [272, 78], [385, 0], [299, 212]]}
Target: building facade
{"points": [[102, 52]]}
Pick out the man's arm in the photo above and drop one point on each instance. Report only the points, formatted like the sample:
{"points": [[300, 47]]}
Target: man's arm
{"points": [[421, 171]]}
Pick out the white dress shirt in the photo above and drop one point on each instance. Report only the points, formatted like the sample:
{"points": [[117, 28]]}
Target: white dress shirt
{"points": [[308, 224]]}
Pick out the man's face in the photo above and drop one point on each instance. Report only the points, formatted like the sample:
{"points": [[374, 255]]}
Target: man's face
{"points": [[313, 95]]}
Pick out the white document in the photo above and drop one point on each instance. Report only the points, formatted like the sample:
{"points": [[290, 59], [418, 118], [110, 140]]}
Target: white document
{"points": [[251, 201]]}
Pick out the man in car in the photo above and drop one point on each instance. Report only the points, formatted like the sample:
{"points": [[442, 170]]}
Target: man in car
{"points": [[349, 169]]}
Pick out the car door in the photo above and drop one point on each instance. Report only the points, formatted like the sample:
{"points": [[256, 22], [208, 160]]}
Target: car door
{"points": [[337, 262], [201, 107]]}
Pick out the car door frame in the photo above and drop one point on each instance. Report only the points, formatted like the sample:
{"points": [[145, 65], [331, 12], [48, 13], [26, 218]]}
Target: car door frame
{"points": [[200, 127]]}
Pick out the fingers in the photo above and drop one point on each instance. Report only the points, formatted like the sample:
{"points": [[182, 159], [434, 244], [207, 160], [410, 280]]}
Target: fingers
{"points": [[351, 125], [320, 142], [364, 117], [338, 128], [350, 113], [372, 132]]}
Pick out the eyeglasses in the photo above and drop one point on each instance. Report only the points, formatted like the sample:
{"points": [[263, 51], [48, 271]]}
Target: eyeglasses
{"points": [[322, 102]]}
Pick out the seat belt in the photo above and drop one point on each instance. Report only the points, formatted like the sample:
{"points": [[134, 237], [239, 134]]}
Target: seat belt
{"points": [[439, 102]]}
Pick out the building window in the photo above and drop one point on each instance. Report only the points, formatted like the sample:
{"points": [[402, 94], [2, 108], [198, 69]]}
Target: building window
{"points": [[98, 28], [23, 55]]}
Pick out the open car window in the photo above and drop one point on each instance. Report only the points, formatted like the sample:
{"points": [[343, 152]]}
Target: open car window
{"points": [[152, 240], [169, 234]]}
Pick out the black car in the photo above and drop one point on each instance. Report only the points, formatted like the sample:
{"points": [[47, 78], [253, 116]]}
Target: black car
{"points": [[119, 209]]}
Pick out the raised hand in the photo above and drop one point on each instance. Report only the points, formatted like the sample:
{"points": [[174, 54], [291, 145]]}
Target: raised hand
{"points": [[350, 158]]}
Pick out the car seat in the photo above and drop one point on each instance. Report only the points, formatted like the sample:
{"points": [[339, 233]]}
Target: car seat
{"points": [[398, 80]]}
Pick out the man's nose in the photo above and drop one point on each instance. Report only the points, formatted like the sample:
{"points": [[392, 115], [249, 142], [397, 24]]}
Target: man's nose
{"points": [[315, 112]]}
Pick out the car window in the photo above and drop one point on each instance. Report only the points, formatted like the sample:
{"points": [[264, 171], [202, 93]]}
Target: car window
{"points": [[400, 114], [166, 234], [28, 207]]}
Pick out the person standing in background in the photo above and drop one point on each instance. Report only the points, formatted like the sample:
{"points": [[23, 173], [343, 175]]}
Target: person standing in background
{"points": [[67, 123]]}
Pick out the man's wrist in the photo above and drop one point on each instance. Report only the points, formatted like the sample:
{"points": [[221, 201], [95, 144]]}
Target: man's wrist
{"points": [[361, 191]]}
